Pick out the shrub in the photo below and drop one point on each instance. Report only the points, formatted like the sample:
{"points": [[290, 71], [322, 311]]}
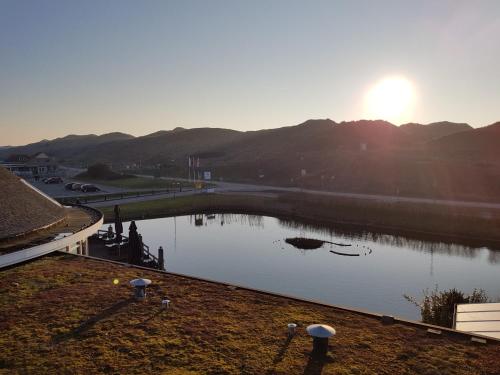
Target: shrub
{"points": [[438, 307], [101, 172]]}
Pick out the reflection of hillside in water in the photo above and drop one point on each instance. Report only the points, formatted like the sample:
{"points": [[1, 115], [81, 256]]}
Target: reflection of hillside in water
{"points": [[452, 249], [256, 221]]}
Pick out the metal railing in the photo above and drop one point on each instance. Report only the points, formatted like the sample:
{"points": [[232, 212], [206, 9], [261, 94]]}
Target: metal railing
{"points": [[116, 196]]}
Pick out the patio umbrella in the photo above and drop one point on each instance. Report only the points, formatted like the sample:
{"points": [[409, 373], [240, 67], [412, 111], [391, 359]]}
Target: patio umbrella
{"points": [[118, 225], [134, 244]]}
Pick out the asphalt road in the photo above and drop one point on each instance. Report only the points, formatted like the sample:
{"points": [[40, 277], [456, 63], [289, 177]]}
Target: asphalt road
{"points": [[57, 190], [233, 187], [238, 187]]}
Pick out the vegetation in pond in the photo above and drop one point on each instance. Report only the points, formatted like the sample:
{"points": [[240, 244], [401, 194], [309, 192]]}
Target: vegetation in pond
{"points": [[438, 307], [345, 254], [305, 243], [312, 244]]}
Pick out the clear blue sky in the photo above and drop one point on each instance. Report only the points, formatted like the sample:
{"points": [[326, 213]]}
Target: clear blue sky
{"points": [[141, 66]]}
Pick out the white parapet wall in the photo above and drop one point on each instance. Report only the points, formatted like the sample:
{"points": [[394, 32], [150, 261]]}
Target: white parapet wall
{"points": [[478, 318], [69, 242]]}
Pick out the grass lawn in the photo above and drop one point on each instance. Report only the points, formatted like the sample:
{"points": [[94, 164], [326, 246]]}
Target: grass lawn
{"points": [[171, 206]]}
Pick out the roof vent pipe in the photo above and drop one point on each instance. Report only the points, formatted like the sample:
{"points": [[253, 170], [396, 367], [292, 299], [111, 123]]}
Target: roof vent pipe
{"points": [[320, 334], [140, 288], [165, 304]]}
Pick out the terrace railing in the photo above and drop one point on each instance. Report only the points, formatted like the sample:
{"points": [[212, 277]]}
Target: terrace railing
{"points": [[147, 256], [103, 197]]}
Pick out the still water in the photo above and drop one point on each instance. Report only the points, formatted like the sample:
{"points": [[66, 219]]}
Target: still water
{"points": [[251, 251]]}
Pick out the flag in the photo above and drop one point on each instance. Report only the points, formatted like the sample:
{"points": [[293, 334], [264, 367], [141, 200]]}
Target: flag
{"points": [[198, 163], [189, 161]]}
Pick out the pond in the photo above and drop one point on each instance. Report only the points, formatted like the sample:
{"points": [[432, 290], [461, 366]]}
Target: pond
{"points": [[356, 269]]}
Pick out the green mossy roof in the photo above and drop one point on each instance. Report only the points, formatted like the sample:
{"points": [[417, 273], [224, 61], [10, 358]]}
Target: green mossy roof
{"points": [[22, 209], [63, 314]]}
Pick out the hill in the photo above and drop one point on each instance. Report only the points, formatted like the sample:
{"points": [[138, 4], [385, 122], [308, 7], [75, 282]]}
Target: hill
{"points": [[161, 147], [478, 145], [434, 130], [442, 160], [67, 147]]}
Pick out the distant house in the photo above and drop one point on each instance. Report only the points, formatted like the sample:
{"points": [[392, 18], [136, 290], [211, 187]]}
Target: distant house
{"points": [[35, 166]]}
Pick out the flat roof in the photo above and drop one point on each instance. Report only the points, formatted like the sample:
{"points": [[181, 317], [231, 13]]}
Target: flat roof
{"points": [[64, 313]]}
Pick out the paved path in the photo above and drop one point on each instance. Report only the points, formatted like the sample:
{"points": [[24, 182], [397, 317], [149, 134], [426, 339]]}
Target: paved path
{"points": [[232, 187], [239, 187]]}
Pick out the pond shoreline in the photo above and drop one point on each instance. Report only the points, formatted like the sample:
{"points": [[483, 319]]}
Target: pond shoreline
{"points": [[361, 217]]}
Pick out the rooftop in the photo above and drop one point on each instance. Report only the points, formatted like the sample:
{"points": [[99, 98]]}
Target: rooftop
{"points": [[23, 208], [75, 219], [64, 313]]}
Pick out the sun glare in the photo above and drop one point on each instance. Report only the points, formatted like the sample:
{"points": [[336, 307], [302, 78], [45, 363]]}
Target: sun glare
{"points": [[391, 99]]}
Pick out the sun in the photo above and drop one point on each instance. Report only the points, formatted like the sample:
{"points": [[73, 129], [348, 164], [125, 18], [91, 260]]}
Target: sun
{"points": [[391, 99]]}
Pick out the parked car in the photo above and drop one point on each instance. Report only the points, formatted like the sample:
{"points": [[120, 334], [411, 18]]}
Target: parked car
{"points": [[88, 188], [69, 186], [54, 180], [76, 186]]}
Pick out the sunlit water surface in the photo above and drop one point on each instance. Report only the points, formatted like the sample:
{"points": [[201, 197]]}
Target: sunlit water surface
{"points": [[251, 251]]}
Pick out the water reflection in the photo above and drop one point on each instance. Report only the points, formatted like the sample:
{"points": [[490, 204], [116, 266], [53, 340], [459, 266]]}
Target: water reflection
{"points": [[251, 250], [221, 219], [448, 248]]}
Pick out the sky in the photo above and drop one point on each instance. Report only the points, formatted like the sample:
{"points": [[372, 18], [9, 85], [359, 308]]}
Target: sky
{"points": [[80, 67]]}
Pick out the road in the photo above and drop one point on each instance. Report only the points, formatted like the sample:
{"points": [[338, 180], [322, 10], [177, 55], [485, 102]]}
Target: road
{"points": [[57, 190], [233, 187], [239, 187]]}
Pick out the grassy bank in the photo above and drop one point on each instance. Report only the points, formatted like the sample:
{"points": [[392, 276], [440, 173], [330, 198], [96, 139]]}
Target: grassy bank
{"points": [[186, 205], [84, 199], [476, 224]]}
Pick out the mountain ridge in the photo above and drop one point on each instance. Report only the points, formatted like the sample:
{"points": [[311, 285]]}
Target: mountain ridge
{"points": [[442, 159]]}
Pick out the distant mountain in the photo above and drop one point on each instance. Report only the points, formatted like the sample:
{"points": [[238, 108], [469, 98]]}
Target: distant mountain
{"points": [[161, 147], [442, 159], [482, 144], [66, 147], [434, 130]]}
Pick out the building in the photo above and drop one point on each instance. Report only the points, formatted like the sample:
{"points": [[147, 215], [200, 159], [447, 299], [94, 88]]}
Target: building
{"points": [[33, 224], [37, 166]]}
